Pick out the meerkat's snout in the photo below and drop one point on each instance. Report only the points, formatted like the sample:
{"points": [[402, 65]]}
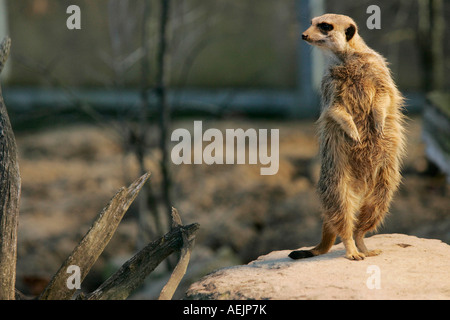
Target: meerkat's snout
{"points": [[318, 34]]}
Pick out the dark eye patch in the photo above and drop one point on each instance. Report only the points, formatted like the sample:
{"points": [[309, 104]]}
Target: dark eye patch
{"points": [[325, 27]]}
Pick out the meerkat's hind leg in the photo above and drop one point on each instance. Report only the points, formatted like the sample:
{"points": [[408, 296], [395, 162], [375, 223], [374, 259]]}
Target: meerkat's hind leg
{"points": [[375, 206], [369, 219], [359, 239], [346, 229]]}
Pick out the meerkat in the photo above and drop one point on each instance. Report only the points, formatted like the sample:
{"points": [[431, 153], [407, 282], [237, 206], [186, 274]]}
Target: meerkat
{"points": [[361, 137]]}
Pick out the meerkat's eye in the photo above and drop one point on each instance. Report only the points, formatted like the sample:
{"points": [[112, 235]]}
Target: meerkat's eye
{"points": [[326, 27]]}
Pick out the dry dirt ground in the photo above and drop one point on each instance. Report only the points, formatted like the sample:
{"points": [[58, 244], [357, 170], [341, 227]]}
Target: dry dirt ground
{"points": [[69, 173]]}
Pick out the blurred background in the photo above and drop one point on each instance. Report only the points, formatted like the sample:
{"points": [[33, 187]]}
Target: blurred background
{"points": [[94, 108]]}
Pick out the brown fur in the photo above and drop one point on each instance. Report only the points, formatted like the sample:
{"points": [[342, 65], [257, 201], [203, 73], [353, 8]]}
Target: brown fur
{"points": [[361, 137]]}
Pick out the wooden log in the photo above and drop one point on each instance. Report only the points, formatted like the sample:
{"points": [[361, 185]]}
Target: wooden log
{"points": [[94, 242], [9, 194]]}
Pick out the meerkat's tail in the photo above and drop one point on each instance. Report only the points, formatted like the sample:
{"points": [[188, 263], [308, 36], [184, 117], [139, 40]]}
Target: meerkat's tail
{"points": [[301, 254], [328, 239]]}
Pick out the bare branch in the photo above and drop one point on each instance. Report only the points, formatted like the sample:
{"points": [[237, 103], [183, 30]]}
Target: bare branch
{"points": [[94, 242], [178, 273], [176, 219]]}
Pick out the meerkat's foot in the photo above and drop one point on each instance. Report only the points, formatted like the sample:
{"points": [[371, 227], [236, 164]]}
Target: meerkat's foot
{"points": [[355, 255], [362, 247], [373, 253], [351, 252]]}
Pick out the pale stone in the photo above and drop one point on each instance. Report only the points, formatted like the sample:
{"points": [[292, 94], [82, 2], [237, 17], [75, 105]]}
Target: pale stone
{"points": [[408, 268]]}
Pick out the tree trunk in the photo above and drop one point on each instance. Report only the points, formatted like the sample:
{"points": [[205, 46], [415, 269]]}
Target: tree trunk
{"points": [[9, 194]]}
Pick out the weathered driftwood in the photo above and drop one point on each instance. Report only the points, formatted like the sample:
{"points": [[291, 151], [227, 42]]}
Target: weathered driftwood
{"points": [[133, 273], [94, 242], [9, 194]]}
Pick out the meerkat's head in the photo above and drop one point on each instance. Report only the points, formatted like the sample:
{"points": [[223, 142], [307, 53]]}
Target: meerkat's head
{"points": [[333, 33]]}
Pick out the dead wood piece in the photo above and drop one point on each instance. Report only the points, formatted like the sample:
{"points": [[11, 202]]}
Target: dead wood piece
{"points": [[180, 270], [133, 273], [94, 242]]}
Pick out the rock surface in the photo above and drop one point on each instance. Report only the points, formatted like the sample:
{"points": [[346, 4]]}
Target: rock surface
{"points": [[408, 268]]}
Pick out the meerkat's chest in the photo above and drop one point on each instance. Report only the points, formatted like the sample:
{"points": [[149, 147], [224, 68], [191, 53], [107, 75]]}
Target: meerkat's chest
{"points": [[351, 86]]}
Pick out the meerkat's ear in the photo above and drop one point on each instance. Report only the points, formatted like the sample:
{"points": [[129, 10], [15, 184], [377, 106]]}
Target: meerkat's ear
{"points": [[350, 32]]}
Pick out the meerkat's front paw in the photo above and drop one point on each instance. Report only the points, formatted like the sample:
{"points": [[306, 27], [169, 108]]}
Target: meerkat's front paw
{"points": [[355, 137], [379, 127]]}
